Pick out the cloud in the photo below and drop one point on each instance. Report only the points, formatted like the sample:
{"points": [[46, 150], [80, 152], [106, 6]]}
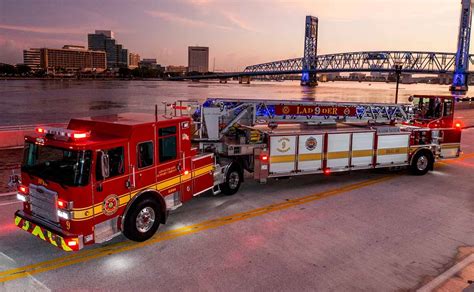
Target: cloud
{"points": [[168, 16], [238, 22], [49, 30], [200, 2], [10, 51]]}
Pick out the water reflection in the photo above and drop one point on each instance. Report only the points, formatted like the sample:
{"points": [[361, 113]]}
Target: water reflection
{"points": [[46, 101]]}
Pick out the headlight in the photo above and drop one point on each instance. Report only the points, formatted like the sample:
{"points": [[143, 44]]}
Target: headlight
{"points": [[21, 197]]}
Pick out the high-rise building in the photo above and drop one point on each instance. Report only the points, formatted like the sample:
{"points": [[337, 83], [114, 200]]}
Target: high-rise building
{"points": [[198, 59], [32, 58], [78, 59], [103, 40], [133, 60]]}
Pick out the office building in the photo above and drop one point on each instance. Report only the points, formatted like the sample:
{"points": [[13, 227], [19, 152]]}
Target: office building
{"points": [[151, 63], [78, 59], [103, 40], [32, 58], [198, 59], [133, 60]]}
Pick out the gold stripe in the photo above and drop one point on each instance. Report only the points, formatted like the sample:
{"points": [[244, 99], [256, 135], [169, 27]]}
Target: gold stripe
{"points": [[87, 213], [451, 146], [362, 153], [338, 155], [282, 158], [392, 151], [202, 171], [310, 156]]}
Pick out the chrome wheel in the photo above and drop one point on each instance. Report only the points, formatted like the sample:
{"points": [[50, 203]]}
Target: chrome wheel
{"points": [[145, 219], [422, 163], [234, 180]]}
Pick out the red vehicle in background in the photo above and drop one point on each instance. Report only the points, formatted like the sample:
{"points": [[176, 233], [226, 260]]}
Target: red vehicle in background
{"points": [[124, 173]]}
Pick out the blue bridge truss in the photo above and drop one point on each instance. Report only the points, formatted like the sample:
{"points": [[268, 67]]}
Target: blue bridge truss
{"points": [[378, 61], [375, 61]]}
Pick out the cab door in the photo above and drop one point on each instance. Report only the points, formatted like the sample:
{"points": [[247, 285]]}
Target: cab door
{"points": [[170, 164], [108, 191]]}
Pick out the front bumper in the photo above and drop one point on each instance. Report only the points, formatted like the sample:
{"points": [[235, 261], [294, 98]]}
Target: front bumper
{"points": [[47, 232]]}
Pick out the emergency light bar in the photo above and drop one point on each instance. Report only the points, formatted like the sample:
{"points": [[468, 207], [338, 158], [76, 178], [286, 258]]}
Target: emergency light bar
{"points": [[66, 133]]}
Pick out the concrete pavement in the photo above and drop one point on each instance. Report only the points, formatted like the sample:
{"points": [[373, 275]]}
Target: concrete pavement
{"points": [[369, 230]]}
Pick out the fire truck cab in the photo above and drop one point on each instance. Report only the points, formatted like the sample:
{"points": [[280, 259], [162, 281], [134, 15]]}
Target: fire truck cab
{"points": [[106, 175]]}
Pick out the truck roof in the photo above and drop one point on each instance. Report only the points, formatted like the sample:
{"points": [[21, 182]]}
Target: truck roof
{"points": [[110, 128]]}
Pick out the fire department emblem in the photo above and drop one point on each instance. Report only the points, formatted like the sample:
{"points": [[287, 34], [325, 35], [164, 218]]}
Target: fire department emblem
{"points": [[110, 205], [347, 111], [285, 110], [284, 145], [311, 143]]}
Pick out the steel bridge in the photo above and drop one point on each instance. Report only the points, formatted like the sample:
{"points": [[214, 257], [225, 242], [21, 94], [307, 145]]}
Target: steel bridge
{"points": [[376, 61]]}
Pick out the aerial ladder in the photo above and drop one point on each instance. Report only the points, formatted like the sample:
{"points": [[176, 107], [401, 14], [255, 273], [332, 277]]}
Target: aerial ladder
{"points": [[217, 116]]}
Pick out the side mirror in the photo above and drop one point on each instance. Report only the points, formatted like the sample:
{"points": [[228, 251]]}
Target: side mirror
{"points": [[14, 181], [104, 164]]}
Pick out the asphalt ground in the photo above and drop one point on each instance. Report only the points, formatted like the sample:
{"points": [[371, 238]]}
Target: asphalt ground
{"points": [[365, 230]]}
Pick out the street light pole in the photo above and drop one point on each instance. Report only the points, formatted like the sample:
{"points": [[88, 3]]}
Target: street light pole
{"points": [[398, 72]]}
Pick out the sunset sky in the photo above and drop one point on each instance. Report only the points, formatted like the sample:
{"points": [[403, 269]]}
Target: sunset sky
{"points": [[238, 32]]}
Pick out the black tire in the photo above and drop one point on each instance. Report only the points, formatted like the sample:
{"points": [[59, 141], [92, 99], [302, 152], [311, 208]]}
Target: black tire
{"points": [[422, 162], [141, 210], [233, 179]]}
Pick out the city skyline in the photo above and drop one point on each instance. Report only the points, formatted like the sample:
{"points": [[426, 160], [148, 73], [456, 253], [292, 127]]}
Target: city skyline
{"points": [[238, 33]]}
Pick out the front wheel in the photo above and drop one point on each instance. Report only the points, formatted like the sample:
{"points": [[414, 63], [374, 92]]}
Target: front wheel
{"points": [[142, 220], [422, 163], [233, 179]]}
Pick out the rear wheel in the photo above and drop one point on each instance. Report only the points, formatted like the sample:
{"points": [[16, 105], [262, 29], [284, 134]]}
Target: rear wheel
{"points": [[233, 180], [142, 221], [422, 162]]}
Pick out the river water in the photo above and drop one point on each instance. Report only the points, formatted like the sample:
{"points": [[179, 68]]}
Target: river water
{"points": [[25, 102]]}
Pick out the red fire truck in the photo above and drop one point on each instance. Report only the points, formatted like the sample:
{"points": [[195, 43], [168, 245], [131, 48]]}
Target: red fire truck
{"points": [[124, 173]]}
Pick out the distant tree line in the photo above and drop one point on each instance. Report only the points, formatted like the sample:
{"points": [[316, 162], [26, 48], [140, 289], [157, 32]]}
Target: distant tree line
{"points": [[140, 73], [19, 70]]}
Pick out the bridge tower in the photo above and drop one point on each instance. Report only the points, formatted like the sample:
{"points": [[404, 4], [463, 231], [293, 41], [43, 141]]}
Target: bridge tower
{"points": [[460, 77], [308, 78]]}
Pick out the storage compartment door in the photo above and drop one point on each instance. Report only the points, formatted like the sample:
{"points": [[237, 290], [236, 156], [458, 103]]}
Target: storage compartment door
{"points": [[338, 151], [362, 149], [202, 174], [310, 148], [282, 154], [392, 149]]}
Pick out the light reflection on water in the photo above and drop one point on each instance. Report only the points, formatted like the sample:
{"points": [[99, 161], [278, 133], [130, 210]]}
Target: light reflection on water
{"points": [[45, 101]]}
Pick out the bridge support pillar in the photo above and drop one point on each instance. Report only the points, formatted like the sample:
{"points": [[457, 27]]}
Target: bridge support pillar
{"points": [[309, 78], [460, 77], [244, 79]]}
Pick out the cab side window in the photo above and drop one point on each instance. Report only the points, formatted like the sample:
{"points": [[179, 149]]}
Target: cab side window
{"points": [[116, 162], [145, 154], [167, 144], [448, 108]]}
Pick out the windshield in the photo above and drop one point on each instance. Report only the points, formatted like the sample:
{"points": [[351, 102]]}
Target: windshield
{"points": [[66, 167]]}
